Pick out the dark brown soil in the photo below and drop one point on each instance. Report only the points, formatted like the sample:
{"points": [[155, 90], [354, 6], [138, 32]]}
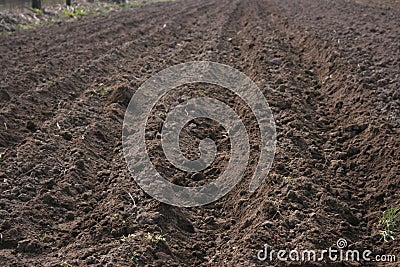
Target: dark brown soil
{"points": [[330, 71]]}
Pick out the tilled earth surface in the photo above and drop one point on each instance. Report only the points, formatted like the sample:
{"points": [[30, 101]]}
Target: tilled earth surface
{"points": [[330, 71]]}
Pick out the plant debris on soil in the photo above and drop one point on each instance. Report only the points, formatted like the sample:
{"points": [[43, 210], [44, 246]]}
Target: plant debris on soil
{"points": [[12, 20], [330, 71]]}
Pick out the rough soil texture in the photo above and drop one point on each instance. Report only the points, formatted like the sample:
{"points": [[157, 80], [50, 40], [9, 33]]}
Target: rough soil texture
{"points": [[330, 71]]}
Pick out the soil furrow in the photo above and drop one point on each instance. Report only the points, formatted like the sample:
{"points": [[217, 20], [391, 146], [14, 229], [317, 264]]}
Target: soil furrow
{"points": [[329, 71]]}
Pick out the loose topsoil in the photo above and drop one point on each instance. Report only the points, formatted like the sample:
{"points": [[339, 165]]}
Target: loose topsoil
{"points": [[330, 71]]}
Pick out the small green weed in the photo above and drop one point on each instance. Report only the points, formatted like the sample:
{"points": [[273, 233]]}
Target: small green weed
{"points": [[69, 13], [113, 217], [103, 90], [201, 93], [125, 238], [288, 179], [80, 11], [134, 4], [26, 26], [77, 12], [155, 239], [65, 264], [135, 256], [37, 11], [389, 222]]}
